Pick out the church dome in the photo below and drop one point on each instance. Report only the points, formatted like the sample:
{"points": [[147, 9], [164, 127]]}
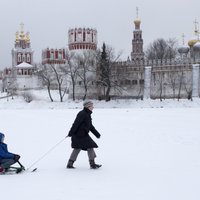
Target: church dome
{"points": [[191, 43], [183, 49], [196, 46], [137, 21]]}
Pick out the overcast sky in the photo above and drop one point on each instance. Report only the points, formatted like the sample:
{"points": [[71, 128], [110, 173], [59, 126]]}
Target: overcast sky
{"points": [[48, 22]]}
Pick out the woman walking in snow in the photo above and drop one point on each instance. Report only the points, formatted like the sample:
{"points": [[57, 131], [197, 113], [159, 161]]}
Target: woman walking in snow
{"points": [[80, 137]]}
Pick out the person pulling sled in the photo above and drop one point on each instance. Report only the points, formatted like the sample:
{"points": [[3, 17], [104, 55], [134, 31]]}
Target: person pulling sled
{"points": [[80, 138], [7, 158]]}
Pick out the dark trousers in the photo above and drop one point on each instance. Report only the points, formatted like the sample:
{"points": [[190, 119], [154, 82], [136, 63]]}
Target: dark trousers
{"points": [[75, 152], [6, 163]]}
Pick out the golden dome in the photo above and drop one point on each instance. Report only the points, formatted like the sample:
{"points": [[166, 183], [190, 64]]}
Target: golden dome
{"points": [[191, 43], [27, 37], [17, 36], [22, 35], [137, 21]]}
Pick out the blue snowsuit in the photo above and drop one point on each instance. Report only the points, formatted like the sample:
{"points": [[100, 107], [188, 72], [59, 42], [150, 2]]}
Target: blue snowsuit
{"points": [[6, 158]]}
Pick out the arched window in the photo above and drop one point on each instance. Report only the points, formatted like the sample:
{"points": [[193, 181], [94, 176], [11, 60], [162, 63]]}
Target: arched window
{"points": [[83, 36], [23, 58], [28, 58], [19, 72], [19, 58]]}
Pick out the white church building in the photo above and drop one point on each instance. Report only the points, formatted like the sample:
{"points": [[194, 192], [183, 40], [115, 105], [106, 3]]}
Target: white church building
{"points": [[20, 76]]}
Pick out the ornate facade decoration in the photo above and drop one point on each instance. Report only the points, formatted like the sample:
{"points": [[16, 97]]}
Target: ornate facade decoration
{"points": [[82, 39], [22, 51]]}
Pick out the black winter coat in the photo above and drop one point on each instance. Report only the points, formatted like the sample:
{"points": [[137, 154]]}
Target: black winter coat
{"points": [[80, 129]]}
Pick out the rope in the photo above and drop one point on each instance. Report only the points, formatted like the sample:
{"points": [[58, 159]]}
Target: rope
{"points": [[46, 153]]}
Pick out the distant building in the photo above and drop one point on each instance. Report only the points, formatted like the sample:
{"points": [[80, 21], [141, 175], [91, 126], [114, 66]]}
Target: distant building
{"points": [[169, 78], [82, 39], [54, 62], [53, 56], [137, 77], [21, 75], [22, 51], [137, 53]]}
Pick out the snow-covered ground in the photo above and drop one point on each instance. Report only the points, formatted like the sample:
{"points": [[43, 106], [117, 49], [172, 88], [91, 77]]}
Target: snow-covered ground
{"points": [[41, 101], [149, 150]]}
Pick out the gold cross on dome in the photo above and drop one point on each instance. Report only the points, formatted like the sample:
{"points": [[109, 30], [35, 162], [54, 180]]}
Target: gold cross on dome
{"points": [[183, 38], [196, 28], [137, 10], [22, 27]]}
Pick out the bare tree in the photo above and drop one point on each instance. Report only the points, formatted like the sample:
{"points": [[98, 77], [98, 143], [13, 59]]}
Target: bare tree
{"points": [[81, 68], [47, 79], [54, 77], [60, 78], [173, 82], [172, 50], [12, 87], [160, 81], [162, 49], [188, 90], [180, 80], [86, 70], [141, 85], [72, 70]]}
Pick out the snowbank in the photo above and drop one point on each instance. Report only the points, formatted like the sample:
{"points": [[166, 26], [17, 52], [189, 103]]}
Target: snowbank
{"points": [[42, 101]]}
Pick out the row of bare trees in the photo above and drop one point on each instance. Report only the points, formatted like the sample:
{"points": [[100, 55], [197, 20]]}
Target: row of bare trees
{"points": [[162, 49], [172, 84], [177, 81], [80, 68]]}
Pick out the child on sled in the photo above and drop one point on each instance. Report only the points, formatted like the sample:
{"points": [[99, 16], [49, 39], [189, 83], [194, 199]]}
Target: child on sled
{"points": [[6, 158]]}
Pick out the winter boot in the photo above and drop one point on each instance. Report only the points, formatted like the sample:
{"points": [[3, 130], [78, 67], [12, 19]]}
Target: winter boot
{"points": [[18, 170], [2, 170], [93, 165], [70, 164]]}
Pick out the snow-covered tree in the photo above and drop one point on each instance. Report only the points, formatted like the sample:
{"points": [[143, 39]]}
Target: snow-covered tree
{"points": [[106, 59]]}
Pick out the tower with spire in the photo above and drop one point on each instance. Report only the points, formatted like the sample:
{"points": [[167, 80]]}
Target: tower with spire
{"points": [[22, 51], [21, 74], [137, 53]]}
